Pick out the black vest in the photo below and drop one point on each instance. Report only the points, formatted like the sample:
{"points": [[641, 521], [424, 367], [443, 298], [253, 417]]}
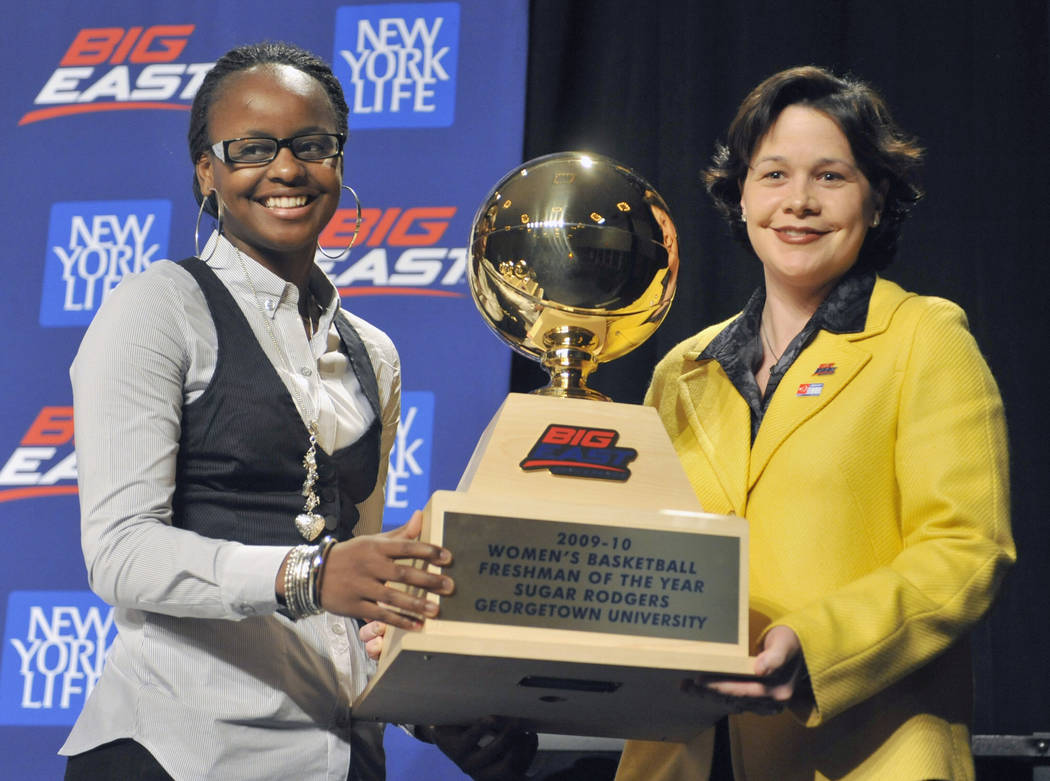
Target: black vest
{"points": [[240, 472]]}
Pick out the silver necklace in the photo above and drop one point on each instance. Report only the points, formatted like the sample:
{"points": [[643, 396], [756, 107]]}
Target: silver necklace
{"points": [[776, 358], [309, 523]]}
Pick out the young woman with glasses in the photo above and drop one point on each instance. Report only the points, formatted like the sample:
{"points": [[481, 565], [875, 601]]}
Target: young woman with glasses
{"points": [[233, 429]]}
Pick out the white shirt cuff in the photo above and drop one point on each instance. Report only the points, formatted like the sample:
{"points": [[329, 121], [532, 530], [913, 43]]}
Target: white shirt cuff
{"points": [[249, 578]]}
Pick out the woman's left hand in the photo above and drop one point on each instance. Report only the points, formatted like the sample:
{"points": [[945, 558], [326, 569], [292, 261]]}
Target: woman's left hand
{"points": [[491, 749], [780, 666]]}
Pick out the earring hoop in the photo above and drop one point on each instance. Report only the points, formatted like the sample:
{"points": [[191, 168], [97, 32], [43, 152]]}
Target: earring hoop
{"points": [[197, 226], [357, 228]]}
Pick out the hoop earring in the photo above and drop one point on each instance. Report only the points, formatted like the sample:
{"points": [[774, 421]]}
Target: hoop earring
{"points": [[357, 227], [197, 226]]}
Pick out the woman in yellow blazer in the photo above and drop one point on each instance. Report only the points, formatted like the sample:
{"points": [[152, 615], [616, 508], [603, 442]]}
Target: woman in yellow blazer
{"points": [[858, 429]]}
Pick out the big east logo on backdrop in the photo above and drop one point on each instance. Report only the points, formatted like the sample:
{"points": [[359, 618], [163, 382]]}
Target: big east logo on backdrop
{"points": [[408, 264], [43, 463], [113, 68]]}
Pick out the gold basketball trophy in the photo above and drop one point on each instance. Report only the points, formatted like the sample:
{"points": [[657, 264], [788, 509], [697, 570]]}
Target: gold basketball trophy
{"points": [[589, 582]]}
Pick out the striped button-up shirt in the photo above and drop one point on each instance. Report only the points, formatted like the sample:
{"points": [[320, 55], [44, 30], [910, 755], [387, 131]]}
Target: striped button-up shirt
{"points": [[278, 693]]}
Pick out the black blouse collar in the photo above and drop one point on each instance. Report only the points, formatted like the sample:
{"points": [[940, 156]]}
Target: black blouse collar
{"points": [[738, 348]]}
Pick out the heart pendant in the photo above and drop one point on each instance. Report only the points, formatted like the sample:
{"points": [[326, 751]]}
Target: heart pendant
{"points": [[309, 525]]}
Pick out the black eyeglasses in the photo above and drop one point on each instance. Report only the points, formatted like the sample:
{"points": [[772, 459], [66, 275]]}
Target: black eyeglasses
{"points": [[309, 147]]}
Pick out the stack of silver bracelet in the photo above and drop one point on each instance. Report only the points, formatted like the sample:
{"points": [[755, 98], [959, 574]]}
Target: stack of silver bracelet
{"points": [[303, 570]]}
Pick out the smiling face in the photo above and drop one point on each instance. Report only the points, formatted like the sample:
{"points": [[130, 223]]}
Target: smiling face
{"points": [[273, 211], [808, 206]]}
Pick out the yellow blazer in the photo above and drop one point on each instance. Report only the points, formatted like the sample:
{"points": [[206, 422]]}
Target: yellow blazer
{"points": [[879, 514]]}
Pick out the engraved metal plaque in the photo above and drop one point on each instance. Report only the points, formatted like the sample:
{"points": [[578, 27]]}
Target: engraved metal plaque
{"points": [[589, 577]]}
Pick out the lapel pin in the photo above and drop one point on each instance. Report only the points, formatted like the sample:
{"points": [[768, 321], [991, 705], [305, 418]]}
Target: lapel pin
{"points": [[825, 368], [810, 389]]}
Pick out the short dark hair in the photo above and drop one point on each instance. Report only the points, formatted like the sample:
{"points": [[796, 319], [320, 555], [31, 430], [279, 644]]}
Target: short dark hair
{"points": [[887, 156], [243, 58]]}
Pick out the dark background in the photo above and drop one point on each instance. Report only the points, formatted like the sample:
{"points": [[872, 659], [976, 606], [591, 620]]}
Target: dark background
{"points": [[654, 84]]}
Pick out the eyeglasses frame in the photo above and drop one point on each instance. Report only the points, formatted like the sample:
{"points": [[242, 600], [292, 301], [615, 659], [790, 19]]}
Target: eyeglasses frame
{"points": [[221, 149]]}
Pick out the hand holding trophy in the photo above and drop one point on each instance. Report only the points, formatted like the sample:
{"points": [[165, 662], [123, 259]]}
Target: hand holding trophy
{"points": [[589, 582]]}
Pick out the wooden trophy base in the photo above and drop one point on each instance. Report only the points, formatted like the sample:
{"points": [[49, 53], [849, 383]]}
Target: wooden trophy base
{"points": [[582, 602]]}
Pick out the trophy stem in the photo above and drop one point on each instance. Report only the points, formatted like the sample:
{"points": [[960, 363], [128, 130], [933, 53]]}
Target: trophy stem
{"points": [[569, 360]]}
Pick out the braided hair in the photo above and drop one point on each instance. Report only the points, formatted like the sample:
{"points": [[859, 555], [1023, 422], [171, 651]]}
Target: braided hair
{"points": [[240, 59]]}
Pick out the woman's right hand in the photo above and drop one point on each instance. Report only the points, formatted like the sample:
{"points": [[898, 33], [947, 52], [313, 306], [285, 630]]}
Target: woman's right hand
{"points": [[781, 667], [358, 574], [371, 635]]}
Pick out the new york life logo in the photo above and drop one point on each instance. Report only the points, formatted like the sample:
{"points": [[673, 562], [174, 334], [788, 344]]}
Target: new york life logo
{"points": [[397, 63], [91, 245], [408, 477], [117, 68], [398, 251], [55, 645]]}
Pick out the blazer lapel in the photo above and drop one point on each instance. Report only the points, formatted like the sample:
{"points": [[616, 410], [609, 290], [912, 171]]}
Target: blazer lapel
{"points": [[720, 420], [825, 368], [813, 382]]}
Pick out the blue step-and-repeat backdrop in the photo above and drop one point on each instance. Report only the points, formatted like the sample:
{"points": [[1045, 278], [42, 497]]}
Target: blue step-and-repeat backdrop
{"points": [[96, 98]]}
